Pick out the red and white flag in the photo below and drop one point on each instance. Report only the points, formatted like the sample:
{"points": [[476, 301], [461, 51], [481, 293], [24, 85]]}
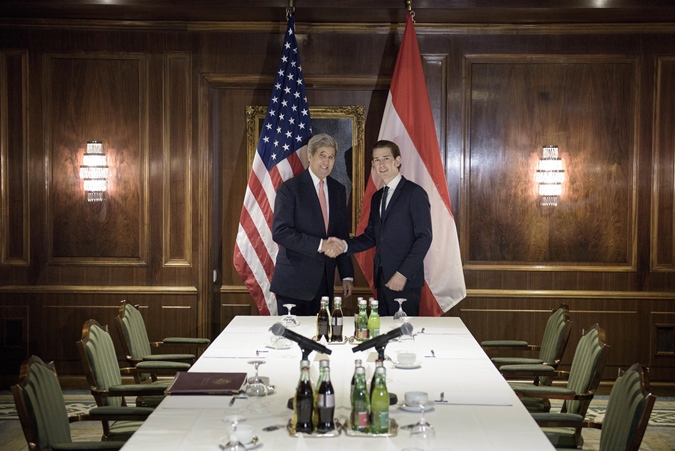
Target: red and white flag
{"points": [[409, 123], [280, 155]]}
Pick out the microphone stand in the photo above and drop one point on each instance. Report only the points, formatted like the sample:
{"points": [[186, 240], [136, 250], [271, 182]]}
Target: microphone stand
{"points": [[380, 351]]}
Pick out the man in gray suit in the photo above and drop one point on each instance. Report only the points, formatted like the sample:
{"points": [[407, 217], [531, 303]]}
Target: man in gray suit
{"points": [[308, 209], [399, 226]]}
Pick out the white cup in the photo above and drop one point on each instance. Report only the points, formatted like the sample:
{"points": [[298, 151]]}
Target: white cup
{"points": [[244, 433], [415, 398], [406, 357]]}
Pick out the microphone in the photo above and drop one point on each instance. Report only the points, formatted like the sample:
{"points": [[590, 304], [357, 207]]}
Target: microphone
{"points": [[382, 340], [305, 343]]}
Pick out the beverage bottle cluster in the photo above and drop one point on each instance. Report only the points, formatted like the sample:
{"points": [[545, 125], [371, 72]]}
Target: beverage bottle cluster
{"points": [[314, 408], [329, 326], [366, 325], [370, 408]]}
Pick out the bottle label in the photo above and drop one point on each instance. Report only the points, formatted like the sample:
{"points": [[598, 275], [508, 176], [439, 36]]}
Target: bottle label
{"points": [[381, 422], [326, 400], [362, 419]]}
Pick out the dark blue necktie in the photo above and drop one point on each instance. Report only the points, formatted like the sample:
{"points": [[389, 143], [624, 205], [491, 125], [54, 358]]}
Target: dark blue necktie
{"points": [[384, 201]]}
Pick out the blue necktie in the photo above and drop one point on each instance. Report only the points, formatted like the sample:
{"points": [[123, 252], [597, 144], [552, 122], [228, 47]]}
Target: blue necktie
{"points": [[384, 201]]}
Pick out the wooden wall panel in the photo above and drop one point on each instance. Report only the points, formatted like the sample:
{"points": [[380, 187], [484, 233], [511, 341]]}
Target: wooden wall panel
{"points": [[14, 196], [99, 97], [517, 105], [177, 185], [663, 212]]}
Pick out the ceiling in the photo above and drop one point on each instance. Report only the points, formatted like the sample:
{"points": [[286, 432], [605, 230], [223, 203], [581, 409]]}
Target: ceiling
{"points": [[347, 11]]}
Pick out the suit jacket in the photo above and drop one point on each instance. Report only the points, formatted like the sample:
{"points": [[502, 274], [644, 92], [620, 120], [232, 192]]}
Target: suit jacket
{"points": [[298, 228], [402, 236]]}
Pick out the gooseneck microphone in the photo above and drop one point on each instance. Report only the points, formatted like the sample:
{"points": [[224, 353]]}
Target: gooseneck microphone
{"points": [[382, 340], [306, 344]]}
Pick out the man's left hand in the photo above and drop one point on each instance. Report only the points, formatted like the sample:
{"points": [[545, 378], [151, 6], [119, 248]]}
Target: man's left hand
{"points": [[347, 286], [397, 282]]}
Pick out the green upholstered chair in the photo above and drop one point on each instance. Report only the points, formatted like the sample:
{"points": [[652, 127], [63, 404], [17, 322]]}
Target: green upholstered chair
{"points": [[42, 411], [551, 350], [582, 381], [628, 410], [104, 376], [137, 346]]}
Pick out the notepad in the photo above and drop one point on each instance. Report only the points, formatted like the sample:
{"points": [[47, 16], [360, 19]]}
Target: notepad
{"points": [[188, 383]]}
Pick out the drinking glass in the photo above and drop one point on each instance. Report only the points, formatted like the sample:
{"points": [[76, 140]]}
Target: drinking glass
{"points": [[400, 313], [423, 433], [233, 444], [289, 320], [256, 386]]}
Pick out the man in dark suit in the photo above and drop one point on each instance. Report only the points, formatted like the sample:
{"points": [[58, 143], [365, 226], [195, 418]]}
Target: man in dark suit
{"points": [[399, 226], [304, 271]]}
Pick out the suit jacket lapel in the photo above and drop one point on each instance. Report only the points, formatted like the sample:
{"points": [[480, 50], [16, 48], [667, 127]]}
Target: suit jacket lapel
{"points": [[309, 193], [394, 196]]}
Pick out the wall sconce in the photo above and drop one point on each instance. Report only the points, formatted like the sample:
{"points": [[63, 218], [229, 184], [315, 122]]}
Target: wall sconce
{"points": [[94, 172], [550, 176]]}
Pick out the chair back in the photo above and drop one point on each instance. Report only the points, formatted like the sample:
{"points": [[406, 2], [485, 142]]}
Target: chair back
{"points": [[587, 367], [131, 325], [99, 360], [40, 405], [554, 341], [628, 409]]}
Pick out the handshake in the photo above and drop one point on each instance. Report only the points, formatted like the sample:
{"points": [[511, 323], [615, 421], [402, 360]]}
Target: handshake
{"points": [[333, 247]]}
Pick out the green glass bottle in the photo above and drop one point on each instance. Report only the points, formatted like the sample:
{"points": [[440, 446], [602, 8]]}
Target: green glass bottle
{"points": [[374, 320], [379, 403], [357, 363], [360, 417], [361, 332]]}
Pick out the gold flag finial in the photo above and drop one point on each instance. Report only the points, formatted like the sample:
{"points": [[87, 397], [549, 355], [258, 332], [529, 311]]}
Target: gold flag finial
{"points": [[408, 5], [290, 9]]}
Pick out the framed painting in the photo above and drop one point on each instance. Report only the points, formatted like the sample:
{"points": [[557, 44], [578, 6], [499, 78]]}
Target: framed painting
{"points": [[344, 123]]}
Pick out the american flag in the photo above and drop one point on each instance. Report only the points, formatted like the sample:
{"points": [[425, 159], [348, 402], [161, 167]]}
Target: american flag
{"points": [[286, 131]]}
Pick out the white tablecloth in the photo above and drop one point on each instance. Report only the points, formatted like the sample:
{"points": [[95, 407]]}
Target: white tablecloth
{"points": [[481, 412]]}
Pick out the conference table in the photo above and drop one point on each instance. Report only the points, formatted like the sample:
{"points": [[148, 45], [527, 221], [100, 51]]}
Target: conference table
{"points": [[478, 411]]}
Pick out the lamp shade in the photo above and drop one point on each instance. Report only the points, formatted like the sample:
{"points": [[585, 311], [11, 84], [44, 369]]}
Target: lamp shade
{"points": [[94, 172]]}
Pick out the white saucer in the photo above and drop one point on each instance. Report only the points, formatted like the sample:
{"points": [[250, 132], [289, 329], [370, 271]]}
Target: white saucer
{"points": [[403, 366], [429, 407], [248, 446], [278, 348]]}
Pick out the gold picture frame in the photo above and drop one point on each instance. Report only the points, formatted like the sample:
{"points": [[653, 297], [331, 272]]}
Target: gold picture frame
{"points": [[344, 123]]}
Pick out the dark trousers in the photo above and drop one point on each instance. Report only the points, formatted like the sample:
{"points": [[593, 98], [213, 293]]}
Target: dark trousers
{"points": [[305, 307], [387, 306]]}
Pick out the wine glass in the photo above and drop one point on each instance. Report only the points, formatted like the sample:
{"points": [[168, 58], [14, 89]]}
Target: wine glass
{"points": [[256, 385], [233, 444], [400, 313], [289, 320], [423, 433]]}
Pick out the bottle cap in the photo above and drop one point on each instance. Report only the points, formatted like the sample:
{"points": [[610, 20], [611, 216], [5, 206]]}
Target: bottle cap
{"points": [[304, 363], [360, 370], [374, 302], [380, 370], [362, 302], [324, 362], [357, 362]]}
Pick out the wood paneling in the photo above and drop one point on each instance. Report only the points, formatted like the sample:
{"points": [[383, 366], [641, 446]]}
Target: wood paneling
{"points": [[663, 213], [14, 197], [498, 92], [177, 187], [585, 106], [100, 97]]}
